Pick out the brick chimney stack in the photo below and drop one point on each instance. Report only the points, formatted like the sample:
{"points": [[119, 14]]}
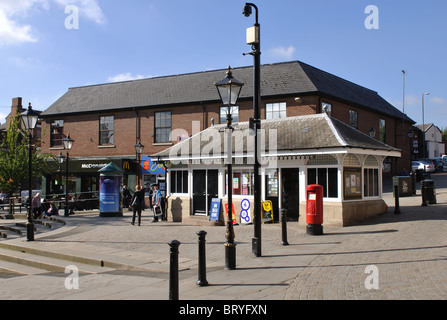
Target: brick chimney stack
{"points": [[16, 106]]}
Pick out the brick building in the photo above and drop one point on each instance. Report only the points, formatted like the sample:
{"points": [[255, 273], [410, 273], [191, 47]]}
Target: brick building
{"points": [[107, 120]]}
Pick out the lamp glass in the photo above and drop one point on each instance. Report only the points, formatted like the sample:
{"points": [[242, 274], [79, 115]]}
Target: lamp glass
{"points": [[29, 118], [139, 148], [68, 142]]}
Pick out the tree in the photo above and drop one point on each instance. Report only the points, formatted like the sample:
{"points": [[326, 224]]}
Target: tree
{"points": [[14, 159]]}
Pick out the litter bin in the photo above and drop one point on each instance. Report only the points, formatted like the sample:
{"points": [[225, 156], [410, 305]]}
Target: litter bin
{"points": [[405, 184], [419, 175], [428, 186]]}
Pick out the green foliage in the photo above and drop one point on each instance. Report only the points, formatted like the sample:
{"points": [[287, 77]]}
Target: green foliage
{"points": [[14, 159]]}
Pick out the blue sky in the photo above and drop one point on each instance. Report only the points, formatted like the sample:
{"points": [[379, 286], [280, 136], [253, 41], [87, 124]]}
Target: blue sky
{"points": [[40, 58]]}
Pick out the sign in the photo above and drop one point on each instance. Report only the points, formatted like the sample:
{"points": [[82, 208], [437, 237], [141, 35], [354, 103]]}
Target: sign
{"points": [[267, 211], [215, 209], [233, 213], [245, 211], [150, 166]]}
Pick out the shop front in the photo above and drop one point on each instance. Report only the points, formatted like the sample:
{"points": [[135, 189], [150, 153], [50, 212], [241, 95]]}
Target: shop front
{"points": [[83, 180], [297, 152]]}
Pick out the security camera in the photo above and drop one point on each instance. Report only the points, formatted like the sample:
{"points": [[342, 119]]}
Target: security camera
{"points": [[247, 11]]}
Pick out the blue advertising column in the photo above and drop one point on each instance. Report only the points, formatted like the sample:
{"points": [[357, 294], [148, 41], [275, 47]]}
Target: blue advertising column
{"points": [[110, 199]]}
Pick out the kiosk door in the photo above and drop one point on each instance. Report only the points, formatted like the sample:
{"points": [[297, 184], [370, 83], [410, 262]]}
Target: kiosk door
{"points": [[205, 187]]}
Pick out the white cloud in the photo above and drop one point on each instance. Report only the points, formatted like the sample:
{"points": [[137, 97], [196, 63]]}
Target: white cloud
{"points": [[11, 31], [88, 9], [438, 100], [12, 12], [125, 77], [283, 52]]}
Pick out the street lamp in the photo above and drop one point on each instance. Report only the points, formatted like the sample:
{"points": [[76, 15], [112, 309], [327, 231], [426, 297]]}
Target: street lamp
{"points": [[68, 144], [29, 119], [423, 129], [254, 39], [229, 89], [139, 150]]}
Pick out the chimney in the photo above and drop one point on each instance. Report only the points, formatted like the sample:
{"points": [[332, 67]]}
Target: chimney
{"points": [[16, 106]]}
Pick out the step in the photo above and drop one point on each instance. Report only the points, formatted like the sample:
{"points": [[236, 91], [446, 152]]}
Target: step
{"points": [[19, 269], [47, 263]]}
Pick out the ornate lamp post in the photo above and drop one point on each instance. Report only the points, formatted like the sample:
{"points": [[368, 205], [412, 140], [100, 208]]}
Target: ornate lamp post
{"points": [[139, 151], [68, 144], [29, 120], [229, 89]]}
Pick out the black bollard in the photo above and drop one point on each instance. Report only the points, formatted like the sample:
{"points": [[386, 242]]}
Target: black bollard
{"points": [[423, 192], [173, 271], [396, 200], [284, 227], [202, 259]]}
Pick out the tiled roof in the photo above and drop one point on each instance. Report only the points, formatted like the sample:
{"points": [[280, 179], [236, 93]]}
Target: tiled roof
{"points": [[288, 78], [293, 134]]}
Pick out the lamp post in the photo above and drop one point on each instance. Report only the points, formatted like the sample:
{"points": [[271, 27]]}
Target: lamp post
{"points": [[29, 119], [229, 89], [254, 39], [423, 129], [68, 144], [139, 151]]}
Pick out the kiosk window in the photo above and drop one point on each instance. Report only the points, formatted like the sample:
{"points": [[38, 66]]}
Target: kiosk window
{"points": [[326, 177]]}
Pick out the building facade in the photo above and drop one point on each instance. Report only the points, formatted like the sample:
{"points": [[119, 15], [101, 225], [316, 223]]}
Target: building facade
{"points": [[107, 120]]}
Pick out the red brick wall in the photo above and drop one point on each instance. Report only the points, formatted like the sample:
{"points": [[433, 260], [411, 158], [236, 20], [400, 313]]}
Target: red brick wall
{"points": [[84, 129]]}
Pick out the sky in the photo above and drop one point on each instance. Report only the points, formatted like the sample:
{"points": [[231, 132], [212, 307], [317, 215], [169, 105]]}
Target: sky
{"points": [[49, 46]]}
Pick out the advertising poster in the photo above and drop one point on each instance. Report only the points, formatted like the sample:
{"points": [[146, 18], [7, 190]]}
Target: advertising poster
{"points": [[215, 209], [109, 196]]}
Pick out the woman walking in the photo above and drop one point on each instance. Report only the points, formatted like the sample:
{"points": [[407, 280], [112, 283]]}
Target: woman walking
{"points": [[137, 203]]}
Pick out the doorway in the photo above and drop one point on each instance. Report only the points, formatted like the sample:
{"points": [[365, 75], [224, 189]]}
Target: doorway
{"points": [[204, 188], [290, 192]]}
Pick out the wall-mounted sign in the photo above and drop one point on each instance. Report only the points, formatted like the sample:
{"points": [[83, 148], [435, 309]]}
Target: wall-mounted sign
{"points": [[150, 166]]}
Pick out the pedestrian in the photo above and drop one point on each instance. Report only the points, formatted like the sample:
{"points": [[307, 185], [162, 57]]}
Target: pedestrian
{"points": [[36, 205], [136, 203], [156, 201], [52, 211], [126, 197]]}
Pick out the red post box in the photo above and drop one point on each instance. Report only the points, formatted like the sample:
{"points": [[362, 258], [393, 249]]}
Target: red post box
{"points": [[314, 209]]}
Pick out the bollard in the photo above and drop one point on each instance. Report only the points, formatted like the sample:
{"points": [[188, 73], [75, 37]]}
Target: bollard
{"points": [[424, 195], [396, 200], [284, 227], [202, 259], [173, 271]]}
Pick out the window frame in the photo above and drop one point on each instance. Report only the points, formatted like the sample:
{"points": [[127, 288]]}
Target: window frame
{"points": [[281, 112], [165, 136], [60, 132], [110, 137]]}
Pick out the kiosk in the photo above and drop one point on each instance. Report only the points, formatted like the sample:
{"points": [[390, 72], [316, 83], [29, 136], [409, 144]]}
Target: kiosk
{"points": [[110, 198]]}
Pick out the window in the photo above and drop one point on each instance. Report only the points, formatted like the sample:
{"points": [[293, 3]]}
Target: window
{"points": [[106, 130], [371, 181], [326, 177], [382, 130], [275, 110], [353, 119], [163, 126], [352, 183], [57, 133], [242, 182], [326, 107], [179, 181], [234, 114]]}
